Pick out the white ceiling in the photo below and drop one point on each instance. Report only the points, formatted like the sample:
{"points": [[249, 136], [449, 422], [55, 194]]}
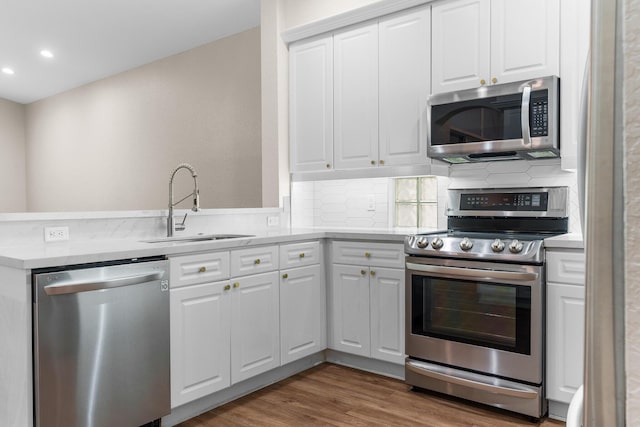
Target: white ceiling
{"points": [[93, 39]]}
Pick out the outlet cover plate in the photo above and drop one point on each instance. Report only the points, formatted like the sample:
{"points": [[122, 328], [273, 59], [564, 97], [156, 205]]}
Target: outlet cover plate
{"points": [[56, 234]]}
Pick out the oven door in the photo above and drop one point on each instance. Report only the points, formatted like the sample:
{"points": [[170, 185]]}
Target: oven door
{"points": [[480, 316]]}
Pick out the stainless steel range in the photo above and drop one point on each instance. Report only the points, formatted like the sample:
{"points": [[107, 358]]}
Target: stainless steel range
{"points": [[475, 297]]}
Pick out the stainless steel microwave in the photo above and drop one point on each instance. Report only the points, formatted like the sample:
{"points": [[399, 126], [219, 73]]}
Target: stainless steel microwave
{"points": [[509, 121]]}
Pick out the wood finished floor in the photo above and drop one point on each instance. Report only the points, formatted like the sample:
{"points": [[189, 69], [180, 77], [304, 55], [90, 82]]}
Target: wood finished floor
{"points": [[332, 395]]}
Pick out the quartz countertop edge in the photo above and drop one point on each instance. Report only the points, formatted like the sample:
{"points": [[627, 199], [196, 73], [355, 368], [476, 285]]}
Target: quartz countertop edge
{"points": [[45, 255], [565, 241]]}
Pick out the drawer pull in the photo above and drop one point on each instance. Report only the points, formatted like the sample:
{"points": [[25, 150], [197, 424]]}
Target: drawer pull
{"points": [[236, 285], [381, 162], [256, 262], [285, 276], [367, 254], [373, 273], [202, 269], [363, 272], [227, 287], [302, 255]]}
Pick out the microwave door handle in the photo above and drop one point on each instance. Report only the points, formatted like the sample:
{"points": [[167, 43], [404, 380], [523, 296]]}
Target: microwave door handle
{"points": [[524, 116]]}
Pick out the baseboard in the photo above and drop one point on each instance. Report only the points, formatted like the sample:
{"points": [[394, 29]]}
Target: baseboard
{"points": [[558, 410], [375, 366]]}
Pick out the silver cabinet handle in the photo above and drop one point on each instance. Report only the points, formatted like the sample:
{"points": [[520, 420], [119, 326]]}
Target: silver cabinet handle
{"points": [[472, 272], [72, 287], [424, 369], [524, 116]]}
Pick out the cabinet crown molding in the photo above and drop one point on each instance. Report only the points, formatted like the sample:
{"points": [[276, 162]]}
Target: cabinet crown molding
{"points": [[350, 17]]}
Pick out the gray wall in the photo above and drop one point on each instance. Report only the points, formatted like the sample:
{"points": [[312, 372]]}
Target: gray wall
{"points": [[12, 157], [111, 144]]}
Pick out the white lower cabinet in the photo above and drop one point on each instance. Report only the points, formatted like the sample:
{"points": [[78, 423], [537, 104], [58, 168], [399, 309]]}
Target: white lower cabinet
{"points": [[200, 333], [367, 303], [386, 289], [565, 325], [255, 325], [222, 332], [350, 320], [302, 313]]}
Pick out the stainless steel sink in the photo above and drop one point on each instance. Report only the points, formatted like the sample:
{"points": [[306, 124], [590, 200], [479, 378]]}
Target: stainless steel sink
{"points": [[196, 238]]}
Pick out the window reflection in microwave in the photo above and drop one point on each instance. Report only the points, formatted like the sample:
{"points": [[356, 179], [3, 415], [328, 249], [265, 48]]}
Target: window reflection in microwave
{"points": [[488, 119]]}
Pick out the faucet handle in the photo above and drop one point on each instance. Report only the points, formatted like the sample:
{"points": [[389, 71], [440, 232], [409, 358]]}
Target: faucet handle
{"points": [[180, 226]]}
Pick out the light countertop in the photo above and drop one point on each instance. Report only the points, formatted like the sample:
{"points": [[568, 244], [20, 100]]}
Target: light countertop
{"points": [[565, 241], [88, 251]]}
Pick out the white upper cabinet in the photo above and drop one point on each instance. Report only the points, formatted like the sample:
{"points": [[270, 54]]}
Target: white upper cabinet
{"points": [[460, 44], [525, 37], [574, 48], [311, 104], [380, 79], [404, 80], [481, 42], [356, 96]]}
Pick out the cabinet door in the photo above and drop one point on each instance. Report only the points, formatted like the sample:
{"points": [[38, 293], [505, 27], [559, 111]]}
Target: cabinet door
{"points": [[405, 68], [574, 47], [565, 340], [350, 310], [356, 97], [460, 44], [255, 325], [387, 314], [311, 104], [525, 41], [200, 327], [302, 313]]}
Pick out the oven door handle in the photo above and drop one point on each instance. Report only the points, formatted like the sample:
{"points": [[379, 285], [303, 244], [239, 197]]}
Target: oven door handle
{"points": [[431, 371], [456, 272]]}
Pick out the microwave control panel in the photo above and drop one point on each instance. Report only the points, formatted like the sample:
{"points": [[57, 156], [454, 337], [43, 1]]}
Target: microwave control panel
{"points": [[539, 116]]}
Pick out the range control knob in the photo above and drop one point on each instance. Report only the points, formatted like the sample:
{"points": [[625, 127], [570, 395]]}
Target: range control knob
{"points": [[516, 246], [437, 243], [466, 244], [497, 245], [422, 242]]}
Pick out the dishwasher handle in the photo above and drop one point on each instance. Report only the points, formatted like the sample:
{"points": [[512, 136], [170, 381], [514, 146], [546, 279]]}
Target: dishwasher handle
{"points": [[73, 287]]}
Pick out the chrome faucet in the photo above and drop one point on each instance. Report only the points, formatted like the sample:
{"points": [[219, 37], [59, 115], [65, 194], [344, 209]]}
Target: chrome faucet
{"points": [[195, 194]]}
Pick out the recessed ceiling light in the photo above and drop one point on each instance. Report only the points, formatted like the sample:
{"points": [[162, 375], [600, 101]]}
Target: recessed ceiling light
{"points": [[8, 70], [46, 53]]}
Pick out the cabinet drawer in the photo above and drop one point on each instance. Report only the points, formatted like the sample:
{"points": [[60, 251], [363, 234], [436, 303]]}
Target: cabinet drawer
{"points": [[299, 254], [370, 254], [566, 267], [200, 268], [254, 260]]}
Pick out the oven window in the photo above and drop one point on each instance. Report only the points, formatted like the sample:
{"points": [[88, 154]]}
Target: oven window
{"points": [[479, 313]]}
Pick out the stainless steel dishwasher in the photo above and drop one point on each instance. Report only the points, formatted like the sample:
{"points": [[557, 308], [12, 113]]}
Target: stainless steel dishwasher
{"points": [[101, 344]]}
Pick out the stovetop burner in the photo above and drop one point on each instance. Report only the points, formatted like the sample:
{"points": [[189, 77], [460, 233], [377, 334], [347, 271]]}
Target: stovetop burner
{"points": [[511, 229]]}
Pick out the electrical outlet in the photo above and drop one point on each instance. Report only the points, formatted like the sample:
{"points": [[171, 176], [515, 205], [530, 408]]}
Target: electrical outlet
{"points": [[56, 234], [273, 221], [372, 203]]}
